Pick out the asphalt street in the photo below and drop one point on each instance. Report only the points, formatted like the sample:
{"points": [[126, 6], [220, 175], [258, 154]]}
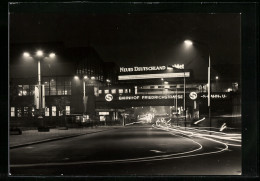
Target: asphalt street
{"points": [[131, 150]]}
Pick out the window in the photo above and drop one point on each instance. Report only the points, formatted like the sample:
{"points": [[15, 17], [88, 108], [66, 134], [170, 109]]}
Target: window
{"points": [[67, 88], [20, 90], [106, 91], [25, 90], [126, 90], [33, 112], [32, 90], [67, 110], [60, 86], [12, 111], [120, 91], [25, 111], [100, 91], [113, 91], [47, 111], [129, 90], [53, 113], [60, 90], [53, 87], [60, 113], [19, 112]]}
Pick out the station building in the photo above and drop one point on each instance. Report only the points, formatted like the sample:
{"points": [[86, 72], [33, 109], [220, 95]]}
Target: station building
{"points": [[78, 82]]}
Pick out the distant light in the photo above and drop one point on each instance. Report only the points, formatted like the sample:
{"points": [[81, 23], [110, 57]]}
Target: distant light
{"points": [[162, 79], [165, 82], [92, 78], [188, 43], [216, 77], [108, 80], [85, 77], [229, 89], [39, 53], [26, 54], [52, 55], [76, 77]]}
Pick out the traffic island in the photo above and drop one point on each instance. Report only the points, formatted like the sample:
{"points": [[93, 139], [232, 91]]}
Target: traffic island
{"points": [[43, 129]]}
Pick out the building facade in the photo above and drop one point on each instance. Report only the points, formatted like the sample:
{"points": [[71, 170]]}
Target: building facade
{"points": [[78, 82]]}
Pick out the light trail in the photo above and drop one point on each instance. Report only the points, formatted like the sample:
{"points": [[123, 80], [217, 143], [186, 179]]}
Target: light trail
{"points": [[143, 159], [199, 120]]}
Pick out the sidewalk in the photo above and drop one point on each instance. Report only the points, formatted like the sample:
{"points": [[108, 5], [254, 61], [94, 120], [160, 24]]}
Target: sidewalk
{"points": [[33, 136]]}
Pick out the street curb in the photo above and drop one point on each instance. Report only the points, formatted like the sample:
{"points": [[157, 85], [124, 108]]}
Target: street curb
{"points": [[55, 139]]}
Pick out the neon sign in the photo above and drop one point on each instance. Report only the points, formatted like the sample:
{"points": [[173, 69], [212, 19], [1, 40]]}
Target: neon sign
{"points": [[142, 69], [109, 97]]}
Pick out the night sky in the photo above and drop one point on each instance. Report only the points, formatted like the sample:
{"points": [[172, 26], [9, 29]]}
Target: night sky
{"points": [[139, 39]]}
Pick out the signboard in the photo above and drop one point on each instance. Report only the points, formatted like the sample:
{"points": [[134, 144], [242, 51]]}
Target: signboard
{"points": [[109, 97], [103, 113], [215, 96], [154, 76], [193, 95], [142, 69], [149, 68], [150, 97]]}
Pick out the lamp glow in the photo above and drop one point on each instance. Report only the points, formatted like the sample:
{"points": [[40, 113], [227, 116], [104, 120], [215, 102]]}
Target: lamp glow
{"points": [[52, 55], [26, 54], [39, 53], [188, 43]]}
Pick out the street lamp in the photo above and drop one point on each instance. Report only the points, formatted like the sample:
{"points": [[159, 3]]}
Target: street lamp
{"points": [[76, 77], [189, 43], [39, 56]]}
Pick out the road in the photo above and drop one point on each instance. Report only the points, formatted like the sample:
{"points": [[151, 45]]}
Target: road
{"points": [[131, 150]]}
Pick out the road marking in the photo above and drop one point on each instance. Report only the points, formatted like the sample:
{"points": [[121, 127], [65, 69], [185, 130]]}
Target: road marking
{"points": [[145, 159], [157, 151]]}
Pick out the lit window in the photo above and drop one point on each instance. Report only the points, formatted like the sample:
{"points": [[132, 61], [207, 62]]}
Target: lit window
{"points": [[25, 111], [106, 91], [100, 91], [113, 91], [67, 110], [19, 112], [53, 87], [126, 90], [47, 111], [32, 89], [129, 90], [12, 111], [33, 112], [120, 91], [20, 90], [60, 113], [25, 90], [53, 111]]}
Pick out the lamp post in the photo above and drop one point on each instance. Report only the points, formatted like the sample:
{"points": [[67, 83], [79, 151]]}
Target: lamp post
{"points": [[39, 56], [189, 43]]}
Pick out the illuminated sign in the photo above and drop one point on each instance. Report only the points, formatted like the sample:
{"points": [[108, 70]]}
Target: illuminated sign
{"points": [[109, 97], [154, 76], [178, 66], [142, 69], [193, 95], [103, 113], [215, 96], [149, 97]]}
